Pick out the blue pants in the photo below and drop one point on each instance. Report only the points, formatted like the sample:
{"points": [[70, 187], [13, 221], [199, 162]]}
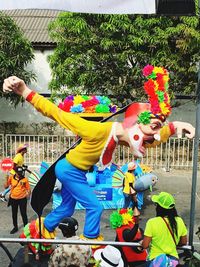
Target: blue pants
{"points": [[75, 188]]}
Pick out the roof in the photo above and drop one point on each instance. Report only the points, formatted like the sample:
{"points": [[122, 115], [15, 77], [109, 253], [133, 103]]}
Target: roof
{"points": [[34, 24]]}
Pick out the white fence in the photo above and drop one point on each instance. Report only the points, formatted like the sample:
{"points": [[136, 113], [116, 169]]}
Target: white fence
{"points": [[176, 153]]}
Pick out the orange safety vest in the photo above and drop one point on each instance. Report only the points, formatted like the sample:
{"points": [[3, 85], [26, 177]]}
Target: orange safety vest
{"points": [[130, 254]]}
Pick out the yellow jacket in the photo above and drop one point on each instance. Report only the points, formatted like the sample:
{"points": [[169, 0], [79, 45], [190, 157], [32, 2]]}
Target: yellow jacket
{"points": [[128, 179]]}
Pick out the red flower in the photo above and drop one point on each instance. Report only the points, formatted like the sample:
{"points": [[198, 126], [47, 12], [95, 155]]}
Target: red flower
{"points": [[149, 87], [147, 70], [67, 105], [122, 211], [89, 103]]}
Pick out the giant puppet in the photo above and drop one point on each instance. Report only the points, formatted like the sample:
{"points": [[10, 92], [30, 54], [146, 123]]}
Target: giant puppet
{"points": [[142, 127]]}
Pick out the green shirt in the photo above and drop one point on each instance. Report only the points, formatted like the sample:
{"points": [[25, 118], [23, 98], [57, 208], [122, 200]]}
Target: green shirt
{"points": [[162, 241]]}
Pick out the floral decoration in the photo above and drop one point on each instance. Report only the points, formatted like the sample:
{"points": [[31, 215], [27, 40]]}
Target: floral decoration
{"points": [[121, 217], [156, 88], [87, 104]]}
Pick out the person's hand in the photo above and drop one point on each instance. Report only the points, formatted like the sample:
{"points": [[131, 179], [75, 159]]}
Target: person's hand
{"points": [[182, 127], [16, 85]]}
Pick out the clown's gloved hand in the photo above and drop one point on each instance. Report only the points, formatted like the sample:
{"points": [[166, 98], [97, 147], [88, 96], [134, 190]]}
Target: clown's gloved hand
{"points": [[182, 127]]}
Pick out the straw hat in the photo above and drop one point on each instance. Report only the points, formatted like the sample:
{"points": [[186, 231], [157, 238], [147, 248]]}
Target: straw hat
{"points": [[22, 147]]}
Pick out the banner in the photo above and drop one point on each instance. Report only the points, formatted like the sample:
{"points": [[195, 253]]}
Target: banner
{"points": [[85, 6]]}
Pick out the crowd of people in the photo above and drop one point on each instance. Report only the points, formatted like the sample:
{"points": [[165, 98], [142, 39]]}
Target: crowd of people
{"points": [[157, 243]]}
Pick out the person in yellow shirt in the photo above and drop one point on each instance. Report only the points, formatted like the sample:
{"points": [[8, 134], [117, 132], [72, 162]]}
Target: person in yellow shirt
{"points": [[142, 127], [164, 232], [128, 190], [17, 161], [19, 192]]}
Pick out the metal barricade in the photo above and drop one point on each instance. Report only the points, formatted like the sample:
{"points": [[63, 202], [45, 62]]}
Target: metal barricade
{"points": [[176, 153]]}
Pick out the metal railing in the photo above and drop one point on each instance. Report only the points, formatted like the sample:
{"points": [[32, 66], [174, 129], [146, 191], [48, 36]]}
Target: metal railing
{"points": [[26, 251], [176, 153]]}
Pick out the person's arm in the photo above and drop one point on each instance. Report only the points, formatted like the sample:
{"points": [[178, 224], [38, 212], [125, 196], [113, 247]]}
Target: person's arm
{"points": [[146, 242], [129, 234], [7, 182], [183, 241], [15, 167], [77, 125]]}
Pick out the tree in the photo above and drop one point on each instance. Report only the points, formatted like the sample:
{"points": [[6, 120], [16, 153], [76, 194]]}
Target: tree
{"points": [[10, 127], [15, 53], [106, 53]]}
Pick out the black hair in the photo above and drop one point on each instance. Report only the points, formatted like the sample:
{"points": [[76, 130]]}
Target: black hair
{"points": [[68, 226], [171, 214]]}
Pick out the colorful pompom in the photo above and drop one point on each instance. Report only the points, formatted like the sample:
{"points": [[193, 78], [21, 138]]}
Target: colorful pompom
{"points": [[144, 117], [121, 217], [87, 104]]}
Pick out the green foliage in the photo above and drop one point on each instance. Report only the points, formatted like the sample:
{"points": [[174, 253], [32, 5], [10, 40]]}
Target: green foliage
{"points": [[15, 53], [10, 127], [106, 53]]}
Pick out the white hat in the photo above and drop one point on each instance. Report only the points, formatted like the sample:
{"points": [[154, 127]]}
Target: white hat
{"points": [[109, 257]]}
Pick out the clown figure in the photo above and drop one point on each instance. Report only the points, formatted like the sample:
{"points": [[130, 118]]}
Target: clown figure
{"points": [[143, 126]]}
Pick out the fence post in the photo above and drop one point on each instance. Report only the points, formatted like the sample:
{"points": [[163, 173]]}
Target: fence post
{"points": [[167, 157]]}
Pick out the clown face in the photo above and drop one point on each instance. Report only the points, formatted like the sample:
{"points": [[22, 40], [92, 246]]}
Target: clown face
{"points": [[151, 130], [140, 134]]}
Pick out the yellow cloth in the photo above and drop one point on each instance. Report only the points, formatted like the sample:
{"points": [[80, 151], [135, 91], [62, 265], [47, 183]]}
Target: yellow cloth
{"points": [[129, 178], [94, 134], [162, 241], [18, 160], [98, 238], [19, 188], [45, 233]]}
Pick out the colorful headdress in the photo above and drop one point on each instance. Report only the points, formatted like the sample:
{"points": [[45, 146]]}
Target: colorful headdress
{"points": [[156, 88], [121, 217]]}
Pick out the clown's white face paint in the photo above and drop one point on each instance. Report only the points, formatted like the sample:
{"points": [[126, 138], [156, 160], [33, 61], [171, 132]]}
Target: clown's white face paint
{"points": [[139, 134], [135, 141]]}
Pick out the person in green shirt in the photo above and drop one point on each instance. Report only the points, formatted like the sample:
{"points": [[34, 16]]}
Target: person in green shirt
{"points": [[164, 232]]}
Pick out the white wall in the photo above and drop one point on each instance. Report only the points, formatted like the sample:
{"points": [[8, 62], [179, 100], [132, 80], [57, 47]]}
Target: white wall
{"points": [[26, 113]]}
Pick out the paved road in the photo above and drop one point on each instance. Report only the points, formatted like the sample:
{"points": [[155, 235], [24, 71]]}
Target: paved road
{"points": [[177, 183]]}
